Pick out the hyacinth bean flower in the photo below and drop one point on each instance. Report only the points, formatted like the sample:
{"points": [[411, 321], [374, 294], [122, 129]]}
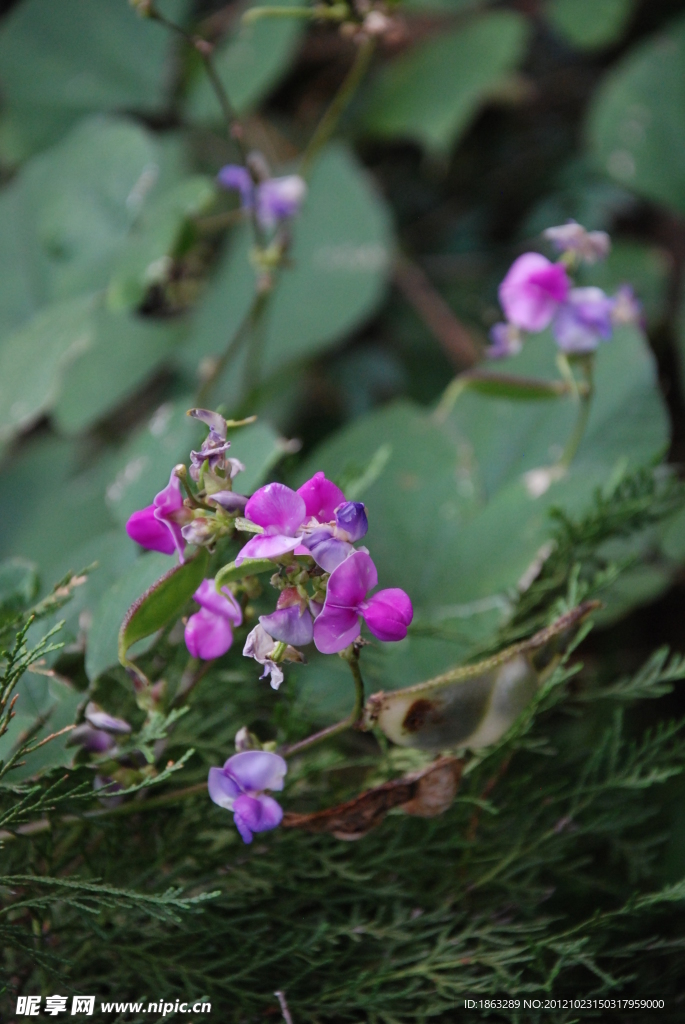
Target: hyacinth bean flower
{"points": [[239, 787], [95, 741], [260, 645], [212, 465], [291, 623], [589, 246], [209, 633], [158, 526], [331, 544], [281, 512], [274, 200], [626, 308], [506, 341], [387, 614], [583, 321], [321, 498], [532, 291], [100, 719]]}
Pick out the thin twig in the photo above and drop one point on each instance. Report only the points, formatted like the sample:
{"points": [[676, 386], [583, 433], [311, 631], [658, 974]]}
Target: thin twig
{"points": [[284, 1006], [447, 329]]}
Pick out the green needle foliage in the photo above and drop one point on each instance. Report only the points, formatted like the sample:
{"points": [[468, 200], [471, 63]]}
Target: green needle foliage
{"points": [[545, 878]]}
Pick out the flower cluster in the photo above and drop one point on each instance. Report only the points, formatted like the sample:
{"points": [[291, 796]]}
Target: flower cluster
{"points": [[307, 538], [537, 293], [272, 200]]}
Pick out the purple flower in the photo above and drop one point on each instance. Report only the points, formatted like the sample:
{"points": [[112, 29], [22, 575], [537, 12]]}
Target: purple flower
{"points": [[100, 719], [506, 341], [583, 321], [208, 633], [532, 291], [158, 526], [321, 498], [281, 512], [330, 545], [387, 614], [291, 623], [626, 309], [274, 199], [211, 464], [239, 787], [95, 741], [589, 246]]}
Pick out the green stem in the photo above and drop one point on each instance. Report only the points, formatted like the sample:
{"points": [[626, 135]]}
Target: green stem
{"points": [[341, 101], [351, 656], [584, 408], [243, 331], [334, 12]]}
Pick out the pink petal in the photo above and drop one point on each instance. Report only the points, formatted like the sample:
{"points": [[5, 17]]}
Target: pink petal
{"points": [[208, 635], [351, 581], [223, 604], [267, 547], [335, 629], [277, 506], [254, 770], [321, 497], [171, 498], [388, 614], [145, 529], [532, 291]]}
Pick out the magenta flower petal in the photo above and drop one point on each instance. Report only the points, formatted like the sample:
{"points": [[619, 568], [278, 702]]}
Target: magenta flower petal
{"points": [[532, 291], [388, 614], [222, 788], [223, 604], [335, 629], [257, 769], [208, 635], [145, 529], [267, 547], [321, 497], [277, 507], [289, 625], [351, 581], [170, 499]]}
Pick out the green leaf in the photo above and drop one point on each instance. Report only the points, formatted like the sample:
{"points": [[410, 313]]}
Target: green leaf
{"points": [[590, 24], [32, 360], [341, 261], [146, 256], [18, 584], [103, 636], [124, 351], [248, 567], [637, 115], [250, 63], [161, 602], [259, 448], [433, 92], [62, 60], [44, 706]]}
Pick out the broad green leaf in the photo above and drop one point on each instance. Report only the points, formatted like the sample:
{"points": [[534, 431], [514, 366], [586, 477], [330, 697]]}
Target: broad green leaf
{"points": [[146, 256], [49, 507], [161, 602], [62, 60], [109, 613], [433, 92], [248, 567], [143, 465], [590, 24], [45, 705], [340, 265], [249, 63], [637, 116], [124, 351], [33, 358]]}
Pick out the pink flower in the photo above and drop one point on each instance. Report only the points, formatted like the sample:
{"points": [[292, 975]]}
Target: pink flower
{"points": [[281, 512], [532, 291], [321, 498], [387, 614], [208, 633], [158, 526]]}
